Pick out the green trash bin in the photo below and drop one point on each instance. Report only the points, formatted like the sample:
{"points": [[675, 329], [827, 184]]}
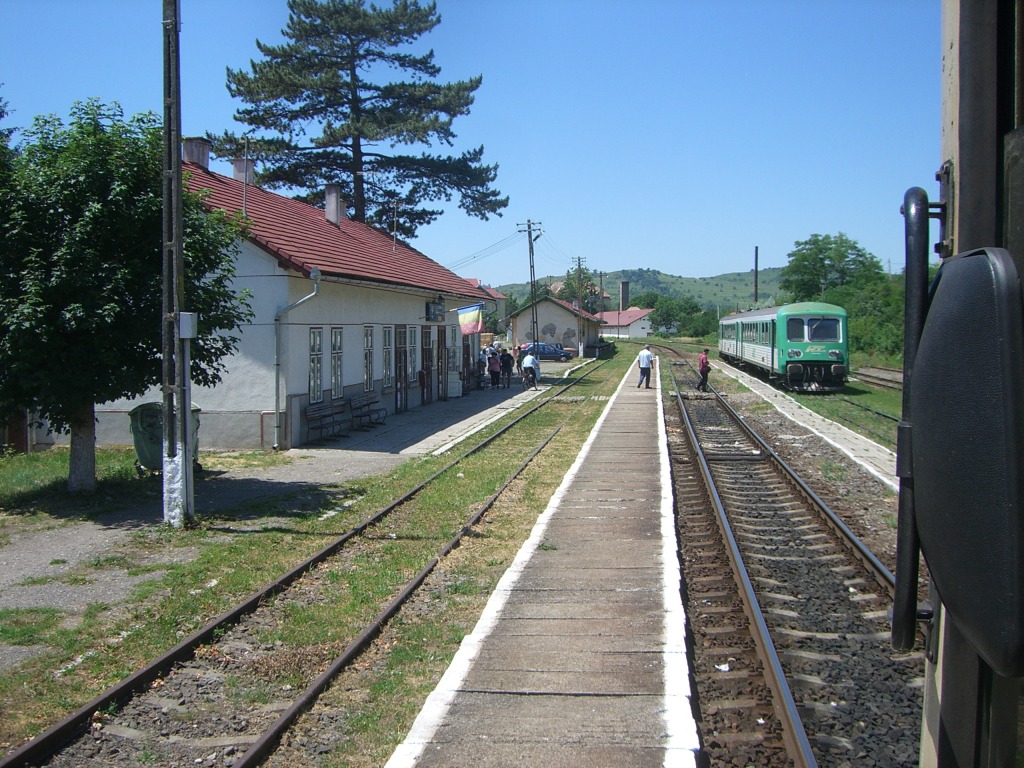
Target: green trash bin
{"points": [[147, 427]]}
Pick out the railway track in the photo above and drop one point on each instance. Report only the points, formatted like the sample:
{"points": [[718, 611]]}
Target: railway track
{"points": [[228, 695], [888, 378], [792, 658]]}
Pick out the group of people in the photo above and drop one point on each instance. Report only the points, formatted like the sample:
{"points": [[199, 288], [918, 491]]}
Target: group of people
{"points": [[499, 363], [645, 359]]}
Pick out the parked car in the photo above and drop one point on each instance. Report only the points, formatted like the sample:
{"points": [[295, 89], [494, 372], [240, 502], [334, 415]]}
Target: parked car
{"points": [[546, 352]]}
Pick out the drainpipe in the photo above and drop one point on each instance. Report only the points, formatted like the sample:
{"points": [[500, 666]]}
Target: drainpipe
{"points": [[314, 275]]}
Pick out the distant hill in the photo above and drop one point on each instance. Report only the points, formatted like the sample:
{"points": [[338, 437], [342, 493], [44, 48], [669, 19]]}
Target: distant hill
{"points": [[726, 293]]}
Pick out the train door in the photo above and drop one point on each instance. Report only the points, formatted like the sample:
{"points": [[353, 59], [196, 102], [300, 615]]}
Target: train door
{"points": [[963, 508], [401, 369]]}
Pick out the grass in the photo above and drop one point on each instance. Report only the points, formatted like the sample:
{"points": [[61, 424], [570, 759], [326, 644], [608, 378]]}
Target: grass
{"points": [[221, 561], [37, 482], [869, 411]]}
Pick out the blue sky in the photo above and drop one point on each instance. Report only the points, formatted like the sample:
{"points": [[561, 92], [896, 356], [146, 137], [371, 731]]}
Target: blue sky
{"points": [[666, 134]]}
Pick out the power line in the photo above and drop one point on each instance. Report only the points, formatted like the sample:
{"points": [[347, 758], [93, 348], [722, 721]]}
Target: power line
{"points": [[490, 250]]}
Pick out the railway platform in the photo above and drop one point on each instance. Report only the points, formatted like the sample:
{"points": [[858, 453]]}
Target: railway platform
{"points": [[879, 461], [580, 656]]}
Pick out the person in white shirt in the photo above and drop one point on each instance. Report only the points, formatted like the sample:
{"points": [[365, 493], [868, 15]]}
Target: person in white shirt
{"points": [[532, 363], [644, 360]]}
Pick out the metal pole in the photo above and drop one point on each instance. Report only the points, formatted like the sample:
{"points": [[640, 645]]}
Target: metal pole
{"points": [[533, 285], [176, 488]]}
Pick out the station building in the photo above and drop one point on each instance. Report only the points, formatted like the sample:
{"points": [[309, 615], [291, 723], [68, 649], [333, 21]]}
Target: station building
{"points": [[340, 309]]}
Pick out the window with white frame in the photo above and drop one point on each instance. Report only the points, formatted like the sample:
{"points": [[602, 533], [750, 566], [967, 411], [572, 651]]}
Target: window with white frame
{"points": [[337, 382], [316, 365], [388, 349], [413, 347], [367, 358]]}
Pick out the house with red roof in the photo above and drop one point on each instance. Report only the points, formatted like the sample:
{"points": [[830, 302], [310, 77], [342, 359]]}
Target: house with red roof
{"points": [[340, 309], [557, 322], [632, 323], [500, 299]]}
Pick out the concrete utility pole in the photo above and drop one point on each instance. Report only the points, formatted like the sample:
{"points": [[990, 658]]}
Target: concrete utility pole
{"points": [[579, 317], [755, 275], [533, 279], [178, 503]]}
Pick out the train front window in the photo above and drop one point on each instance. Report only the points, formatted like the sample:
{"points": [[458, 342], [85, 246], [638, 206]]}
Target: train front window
{"points": [[823, 329], [795, 329]]}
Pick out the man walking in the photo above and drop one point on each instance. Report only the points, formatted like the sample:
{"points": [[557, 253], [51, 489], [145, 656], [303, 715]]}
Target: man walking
{"points": [[644, 360]]}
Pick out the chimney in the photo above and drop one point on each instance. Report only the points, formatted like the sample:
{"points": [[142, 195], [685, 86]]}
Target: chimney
{"points": [[244, 169], [334, 205], [197, 150], [624, 295]]}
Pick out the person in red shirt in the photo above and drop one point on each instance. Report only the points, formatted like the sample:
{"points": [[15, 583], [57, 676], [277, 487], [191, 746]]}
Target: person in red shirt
{"points": [[703, 368]]}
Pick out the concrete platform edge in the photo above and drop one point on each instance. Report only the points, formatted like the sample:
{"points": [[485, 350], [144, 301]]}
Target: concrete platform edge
{"points": [[682, 740]]}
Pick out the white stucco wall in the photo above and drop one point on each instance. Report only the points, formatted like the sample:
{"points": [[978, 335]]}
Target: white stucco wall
{"points": [[239, 413], [555, 325]]}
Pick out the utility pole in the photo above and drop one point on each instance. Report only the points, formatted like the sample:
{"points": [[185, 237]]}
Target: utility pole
{"points": [[177, 486], [755, 275], [533, 278], [579, 317]]}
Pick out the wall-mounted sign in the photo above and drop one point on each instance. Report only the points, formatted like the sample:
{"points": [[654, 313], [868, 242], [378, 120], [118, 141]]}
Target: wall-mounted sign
{"points": [[435, 311]]}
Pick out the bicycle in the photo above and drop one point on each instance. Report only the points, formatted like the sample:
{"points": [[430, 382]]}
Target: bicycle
{"points": [[529, 378]]}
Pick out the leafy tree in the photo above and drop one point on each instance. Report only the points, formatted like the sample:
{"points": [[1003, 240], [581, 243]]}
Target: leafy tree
{"points": [[320, 83], [580, 283], [825, 261], [81, 264], [646, 300]]}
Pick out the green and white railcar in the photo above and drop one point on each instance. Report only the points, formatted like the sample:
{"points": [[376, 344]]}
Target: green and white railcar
{"points": [[805, 345]]}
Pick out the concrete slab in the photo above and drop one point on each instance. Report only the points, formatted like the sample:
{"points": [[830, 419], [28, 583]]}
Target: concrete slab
{"points": [[580, 657]]}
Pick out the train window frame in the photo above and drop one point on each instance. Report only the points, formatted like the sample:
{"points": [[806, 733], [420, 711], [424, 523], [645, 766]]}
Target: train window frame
{"points": [[791, 323], [813, 323]]}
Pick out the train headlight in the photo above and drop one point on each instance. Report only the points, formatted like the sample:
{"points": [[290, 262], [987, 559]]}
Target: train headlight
{"points": [[794, 353], [835, 354]]}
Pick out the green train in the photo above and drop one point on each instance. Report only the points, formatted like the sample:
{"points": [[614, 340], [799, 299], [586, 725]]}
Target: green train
{"points": [[803, 345]]}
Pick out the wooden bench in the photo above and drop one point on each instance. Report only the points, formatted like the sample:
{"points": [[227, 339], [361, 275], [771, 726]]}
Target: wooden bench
{"points": [[330, 416], [366, 410]]}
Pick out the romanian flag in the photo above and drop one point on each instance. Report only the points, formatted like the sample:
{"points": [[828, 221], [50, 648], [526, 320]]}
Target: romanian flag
{"points": [[471, 319]]}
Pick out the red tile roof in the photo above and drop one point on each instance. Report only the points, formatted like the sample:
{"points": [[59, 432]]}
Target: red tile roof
{"points": [[625, 316], [565, 304], [494, 293], [300, 237]]}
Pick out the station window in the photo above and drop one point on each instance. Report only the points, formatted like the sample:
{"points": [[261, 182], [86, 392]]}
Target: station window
{"points": [[367, 358], [316, 365], [337, 382], [389, 350], [414, 345]]}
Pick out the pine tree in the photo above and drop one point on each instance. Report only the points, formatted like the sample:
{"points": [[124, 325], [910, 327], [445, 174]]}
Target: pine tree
{"points": [[321, 81]]}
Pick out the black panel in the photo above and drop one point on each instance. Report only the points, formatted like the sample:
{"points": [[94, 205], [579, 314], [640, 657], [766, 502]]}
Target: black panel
{"points": [[968, 447]]}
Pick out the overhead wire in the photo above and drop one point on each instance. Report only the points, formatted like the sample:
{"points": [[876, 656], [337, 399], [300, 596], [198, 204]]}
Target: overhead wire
{"points": [[490, 250]]}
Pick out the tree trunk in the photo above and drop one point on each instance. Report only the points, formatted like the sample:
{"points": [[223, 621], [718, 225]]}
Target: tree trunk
{"points": [[82, 461]]}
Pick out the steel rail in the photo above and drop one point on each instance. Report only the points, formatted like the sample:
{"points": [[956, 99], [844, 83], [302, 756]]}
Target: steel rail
{"points": [[880, 381], [874, 566], [48, 743], [785, 707], [270, 738]]}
